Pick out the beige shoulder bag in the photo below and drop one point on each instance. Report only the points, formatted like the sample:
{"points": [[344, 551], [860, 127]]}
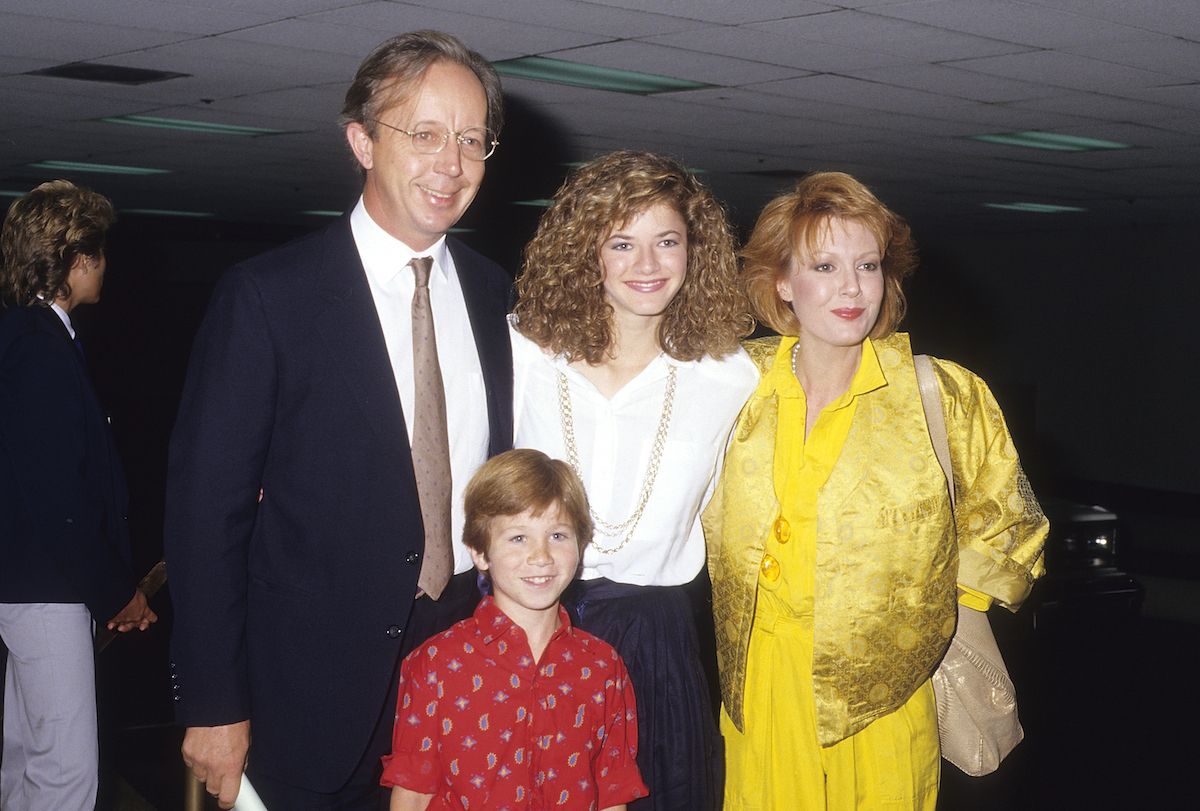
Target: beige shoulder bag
{"points": [[976, 701]]}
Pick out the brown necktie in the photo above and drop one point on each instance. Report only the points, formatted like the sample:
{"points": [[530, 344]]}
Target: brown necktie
{"points": [[430, 440]]}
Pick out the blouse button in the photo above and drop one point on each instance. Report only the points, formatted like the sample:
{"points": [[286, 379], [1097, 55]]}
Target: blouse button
{"points": [[783, 530], [770, 568]]}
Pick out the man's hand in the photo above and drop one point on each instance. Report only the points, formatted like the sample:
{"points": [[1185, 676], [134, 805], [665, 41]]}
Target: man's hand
{"points": [[217, 756], [137, 614]]}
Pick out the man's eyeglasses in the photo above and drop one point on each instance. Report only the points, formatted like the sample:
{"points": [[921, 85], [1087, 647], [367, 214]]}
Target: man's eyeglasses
{"points": [[474, 143]]}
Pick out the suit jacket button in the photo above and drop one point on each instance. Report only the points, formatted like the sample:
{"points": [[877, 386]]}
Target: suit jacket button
{"points": [[413, 558], [393, 631]]}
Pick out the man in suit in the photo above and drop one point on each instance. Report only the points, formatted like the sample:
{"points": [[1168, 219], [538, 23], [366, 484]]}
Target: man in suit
{"points": [[308, 548], [64, 543]]}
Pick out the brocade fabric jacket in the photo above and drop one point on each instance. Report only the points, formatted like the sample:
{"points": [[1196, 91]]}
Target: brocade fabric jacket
{"points": [[890, 548]]}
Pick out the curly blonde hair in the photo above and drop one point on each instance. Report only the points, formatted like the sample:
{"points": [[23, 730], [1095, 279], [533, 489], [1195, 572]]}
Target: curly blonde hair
{"points": [[562, 304], [795, 222]]}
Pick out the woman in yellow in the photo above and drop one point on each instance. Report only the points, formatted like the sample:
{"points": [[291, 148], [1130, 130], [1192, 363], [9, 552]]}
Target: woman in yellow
{"points": [[836, 557]]}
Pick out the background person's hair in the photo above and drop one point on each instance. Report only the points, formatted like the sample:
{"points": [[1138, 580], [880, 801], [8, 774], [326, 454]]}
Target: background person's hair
{"points": [[44, 233], [520, 480], [561, 299], [395, 68], [796, 222]]}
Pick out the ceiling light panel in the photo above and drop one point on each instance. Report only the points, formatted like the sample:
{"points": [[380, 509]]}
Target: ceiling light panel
{"points": [[543, 69], [1054, 141]]}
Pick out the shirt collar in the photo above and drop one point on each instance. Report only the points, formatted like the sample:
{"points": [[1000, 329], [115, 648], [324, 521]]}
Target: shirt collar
{"points": [[657, 369], [66, 319], [493, 623], [383, 255], [870, 374], [868, 377], [780, 377]]}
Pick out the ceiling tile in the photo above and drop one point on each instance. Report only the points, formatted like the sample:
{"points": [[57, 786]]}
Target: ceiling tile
{"points": [[955, 82], [75, 40], [1170, 56], [873, 33], [855, 93], [1175, 17], [777, 48], [1015, 22], [493, 36], [721, 11], [678, 63], [1065, 70]]}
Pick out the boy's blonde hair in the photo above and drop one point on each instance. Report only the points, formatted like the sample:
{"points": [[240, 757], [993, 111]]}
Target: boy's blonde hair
{"points": [[520, 480]]}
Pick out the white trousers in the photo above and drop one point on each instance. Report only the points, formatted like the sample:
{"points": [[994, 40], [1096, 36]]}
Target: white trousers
{"points": [[51, 759]]}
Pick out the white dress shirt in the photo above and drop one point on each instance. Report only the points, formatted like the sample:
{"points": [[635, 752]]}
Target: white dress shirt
{"points": [[614, 439], [392, 282]]}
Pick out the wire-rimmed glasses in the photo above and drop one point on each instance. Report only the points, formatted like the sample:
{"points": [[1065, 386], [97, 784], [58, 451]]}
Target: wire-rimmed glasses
{"points": [[474, 143]]}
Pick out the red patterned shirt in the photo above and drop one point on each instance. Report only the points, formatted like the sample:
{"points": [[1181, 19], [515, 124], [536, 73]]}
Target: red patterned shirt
{"points": [[481, 725]]}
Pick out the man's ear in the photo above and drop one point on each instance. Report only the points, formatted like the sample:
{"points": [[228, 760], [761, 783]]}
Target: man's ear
{"points": [[361, 144]]}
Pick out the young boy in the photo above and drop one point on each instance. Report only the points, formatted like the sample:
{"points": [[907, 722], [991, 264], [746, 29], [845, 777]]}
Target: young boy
{"points": [[514, 708]]}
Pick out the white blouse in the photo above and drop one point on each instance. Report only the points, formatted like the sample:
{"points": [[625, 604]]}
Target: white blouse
{"points": [[614, 440]]}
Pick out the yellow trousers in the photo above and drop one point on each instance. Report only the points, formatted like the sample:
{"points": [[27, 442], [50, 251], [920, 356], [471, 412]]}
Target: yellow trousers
{"points": [[777, 765]]}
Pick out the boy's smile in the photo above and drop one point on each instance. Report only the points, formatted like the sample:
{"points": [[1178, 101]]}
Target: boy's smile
{"points": [[531, 558]]}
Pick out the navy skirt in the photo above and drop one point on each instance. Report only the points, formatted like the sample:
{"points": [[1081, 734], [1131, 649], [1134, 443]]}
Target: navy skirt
{"points": [[654, 630]]}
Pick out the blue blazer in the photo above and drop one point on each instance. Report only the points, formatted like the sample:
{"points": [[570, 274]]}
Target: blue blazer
{"points": [[287, 610], [63, 500]]}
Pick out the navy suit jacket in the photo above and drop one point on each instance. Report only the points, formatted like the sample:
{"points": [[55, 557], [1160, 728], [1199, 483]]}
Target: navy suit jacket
{"points": [[289, 611], [63, 501]]}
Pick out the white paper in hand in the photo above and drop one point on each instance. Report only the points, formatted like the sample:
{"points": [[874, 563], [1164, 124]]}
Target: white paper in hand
{"points": [[247, 799]]}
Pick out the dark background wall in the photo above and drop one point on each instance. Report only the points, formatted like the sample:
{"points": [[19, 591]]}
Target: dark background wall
{"points": [[1084, 338], [1097, 323]]}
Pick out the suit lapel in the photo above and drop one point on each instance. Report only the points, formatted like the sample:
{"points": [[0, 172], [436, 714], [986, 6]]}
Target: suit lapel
{"points": [[349, 323]]}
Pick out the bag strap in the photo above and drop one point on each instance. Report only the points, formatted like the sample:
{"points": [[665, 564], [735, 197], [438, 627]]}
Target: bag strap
{"points": [[935, 420]]}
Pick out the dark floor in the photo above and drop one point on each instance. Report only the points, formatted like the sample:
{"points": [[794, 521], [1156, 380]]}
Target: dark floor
{"points": [[1107, 703]]}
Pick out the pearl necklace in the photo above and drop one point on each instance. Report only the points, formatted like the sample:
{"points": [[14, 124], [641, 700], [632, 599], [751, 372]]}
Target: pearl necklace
{"points": [[660, 438]]}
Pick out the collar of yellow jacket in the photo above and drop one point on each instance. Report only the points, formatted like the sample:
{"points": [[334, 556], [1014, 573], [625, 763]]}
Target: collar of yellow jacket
{"points": [[780, 378]]}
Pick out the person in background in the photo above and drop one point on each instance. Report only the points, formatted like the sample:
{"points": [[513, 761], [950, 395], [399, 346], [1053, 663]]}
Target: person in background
{"points": [[64, 541], [627, 364], [838, 563], [342, 390], [515, 708]]}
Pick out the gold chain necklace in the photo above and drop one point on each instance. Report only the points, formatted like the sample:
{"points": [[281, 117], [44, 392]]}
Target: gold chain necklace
{"points": [[660, 438]]}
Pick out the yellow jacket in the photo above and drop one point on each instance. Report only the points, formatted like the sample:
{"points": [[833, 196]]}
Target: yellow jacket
{"points": [[887, 559]]}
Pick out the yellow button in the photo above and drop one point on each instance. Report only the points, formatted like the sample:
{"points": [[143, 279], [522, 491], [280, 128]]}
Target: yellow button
{"points": [[770, 568], [783, 531]]}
